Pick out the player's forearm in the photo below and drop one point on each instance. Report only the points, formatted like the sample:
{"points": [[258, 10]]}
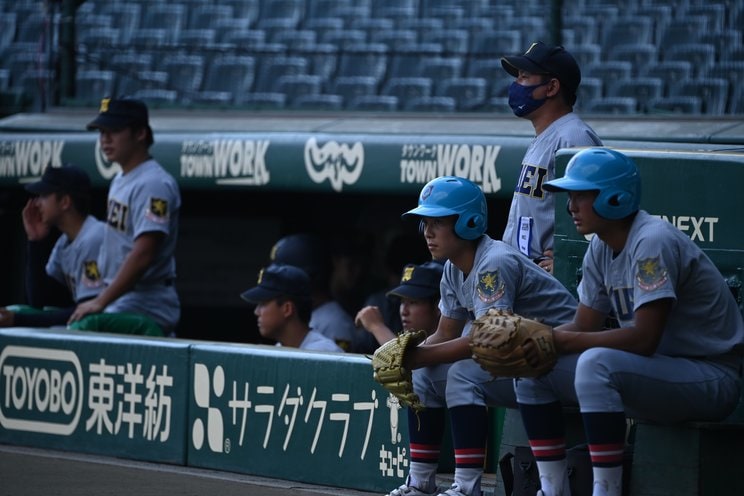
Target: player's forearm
{"points": [[451, 351], [129, 274]]}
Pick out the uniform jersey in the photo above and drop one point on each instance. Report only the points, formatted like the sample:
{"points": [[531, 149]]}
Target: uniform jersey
{"points": [[659, 261], [331, 320], [146, 199], [529, 227], [317, 342], [75, 263], [504, 278]]}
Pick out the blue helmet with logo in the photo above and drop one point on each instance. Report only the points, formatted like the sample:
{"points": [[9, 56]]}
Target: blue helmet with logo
{"points": [[452, 195], [610, 172]]}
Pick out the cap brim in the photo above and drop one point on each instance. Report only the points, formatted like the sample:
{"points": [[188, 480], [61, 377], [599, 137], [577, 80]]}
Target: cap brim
{"points": [[258, 294], [106, 121], [568, 184], [40, 188], [411, 291], [515, 63]]}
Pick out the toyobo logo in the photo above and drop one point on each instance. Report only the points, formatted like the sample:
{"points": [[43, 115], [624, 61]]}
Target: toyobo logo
{"points": [[41, 390], [214, 429]]}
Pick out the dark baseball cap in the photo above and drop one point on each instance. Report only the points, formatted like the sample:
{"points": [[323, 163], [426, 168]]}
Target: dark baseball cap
{"points": [[279, 280], [304, 250], [544, 59], [419, 281], [66, 179], [121, 113]]}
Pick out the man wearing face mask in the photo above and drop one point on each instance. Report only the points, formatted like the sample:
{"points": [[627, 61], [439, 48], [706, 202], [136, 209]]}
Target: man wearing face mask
{"points": [[544, 92]]}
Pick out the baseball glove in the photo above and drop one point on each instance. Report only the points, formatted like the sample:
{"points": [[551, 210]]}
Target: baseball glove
{"points": [[388, 370], [496, 340]]}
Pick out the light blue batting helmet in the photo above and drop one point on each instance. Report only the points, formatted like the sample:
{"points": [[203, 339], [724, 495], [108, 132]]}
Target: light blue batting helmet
{"points": [[452, 195], [612, 173]]}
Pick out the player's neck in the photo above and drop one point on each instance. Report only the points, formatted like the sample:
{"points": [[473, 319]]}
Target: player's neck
{"points": [[135, 161], [71, 224]]}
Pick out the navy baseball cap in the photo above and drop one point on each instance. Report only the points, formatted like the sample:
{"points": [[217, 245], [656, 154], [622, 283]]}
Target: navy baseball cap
{"points": [[121, 113], [303, 250], [279, 280], [66, 179], [419, 281], [543, 59]]}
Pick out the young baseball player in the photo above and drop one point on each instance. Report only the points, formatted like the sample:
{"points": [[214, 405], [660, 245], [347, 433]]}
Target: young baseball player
{"points": [[137, 256], [479, 273], [676, 354], [283, 307], [62, 201], [543, 92], [418, 293]]}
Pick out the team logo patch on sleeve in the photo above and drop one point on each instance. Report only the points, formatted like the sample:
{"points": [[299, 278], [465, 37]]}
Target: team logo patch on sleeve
{"points": [[91, 274], [490, 286], [158, 210], [651, 274]]}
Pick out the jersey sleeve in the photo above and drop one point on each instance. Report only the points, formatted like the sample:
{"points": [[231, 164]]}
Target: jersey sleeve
{"points": [[153, 204], [655, 269]]}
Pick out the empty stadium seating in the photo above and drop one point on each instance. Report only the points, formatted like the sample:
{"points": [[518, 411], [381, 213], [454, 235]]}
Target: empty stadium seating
{"points": [[354, 54]]}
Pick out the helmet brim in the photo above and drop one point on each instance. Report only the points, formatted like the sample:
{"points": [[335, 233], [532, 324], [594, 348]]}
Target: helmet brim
{"points": [[429, 211], [569, 184]]}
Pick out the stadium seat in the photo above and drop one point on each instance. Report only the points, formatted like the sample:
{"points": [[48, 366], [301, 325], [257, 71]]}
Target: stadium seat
{"points": [[474, 25], [318, 102], [394, 38], [686, 29], [318, 9], [587, 54], [292, 11], [350, 87], [272, 67], [642, 89], [245, 39], [406, 88], [208, 15], [671, 71], [641, 56], [468, 93], [323, 59], [701, 56], [736, 103], [492, 71], [8, 22], [730, 70], [591, 88], [630, 28], [149, 38], [421, 25], [128, 84], [246, 10], [90, 86], [374, 103], [689, 105], [323, 24], [498, 104], [275, 25], [156, 15], [431, 104], [713, 92], [342, 38], [294, 39], [733, 53], [455, 42], [406, 60], [496, 43], [612, 105], [125, 17], [723, 40], [185, 72], [608, 71], [439, 68], [584, 29], [99, 38], [213, 99], [30, 27], [296, 85], [233, 74], [371, 25], [4, 79], [714, 13], [196, 39], [363, 59]]}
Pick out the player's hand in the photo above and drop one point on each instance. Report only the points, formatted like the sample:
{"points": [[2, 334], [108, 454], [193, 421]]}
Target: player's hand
{"points": [[85, 308], [7, 318], [369, 317], [35, 227], [547, 262]]}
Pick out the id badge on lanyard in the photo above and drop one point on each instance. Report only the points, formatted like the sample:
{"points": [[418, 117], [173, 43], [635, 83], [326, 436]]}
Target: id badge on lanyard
{"points": [[525, 234]]}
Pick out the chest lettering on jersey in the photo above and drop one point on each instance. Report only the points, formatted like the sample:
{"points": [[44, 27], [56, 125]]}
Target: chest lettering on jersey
{"points": [[531, 181], [117, 215], [622, 302]]}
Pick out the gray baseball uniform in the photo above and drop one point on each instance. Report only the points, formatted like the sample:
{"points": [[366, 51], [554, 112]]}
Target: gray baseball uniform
{"points": [[146, 199], [75, 264], [529, 227], [501, 278], [695, 371]]}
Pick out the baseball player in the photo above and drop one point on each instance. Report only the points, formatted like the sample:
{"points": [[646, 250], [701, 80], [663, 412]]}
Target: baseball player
{"points": [[62, 201], [283, 302], [676, 354], [137, 256], [544, 92], [479, 273], [418, 293]]}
